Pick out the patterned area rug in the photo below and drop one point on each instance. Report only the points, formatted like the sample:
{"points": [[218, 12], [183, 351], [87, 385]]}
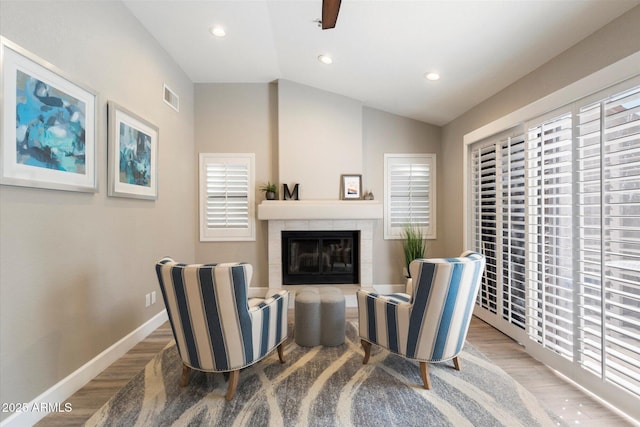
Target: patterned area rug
{"points": [[326, 386]]}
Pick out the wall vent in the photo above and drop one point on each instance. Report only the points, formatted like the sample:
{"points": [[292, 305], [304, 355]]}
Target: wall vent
{"points": [[171, 98]]}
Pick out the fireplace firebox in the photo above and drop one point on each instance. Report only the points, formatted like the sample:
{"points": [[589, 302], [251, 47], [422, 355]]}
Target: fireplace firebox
{"points": [[320, 257]]}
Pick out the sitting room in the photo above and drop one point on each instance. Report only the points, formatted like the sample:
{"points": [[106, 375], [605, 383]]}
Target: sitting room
{"points": [[150, 276]]}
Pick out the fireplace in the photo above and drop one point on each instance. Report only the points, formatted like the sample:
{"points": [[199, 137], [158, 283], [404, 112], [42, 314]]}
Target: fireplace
{"points": [[320, 257], [314, 215]]}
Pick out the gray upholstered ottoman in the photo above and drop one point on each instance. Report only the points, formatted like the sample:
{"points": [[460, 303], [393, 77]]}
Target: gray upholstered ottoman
{"points": [[307, 317], [332, 317], [319, 317]]}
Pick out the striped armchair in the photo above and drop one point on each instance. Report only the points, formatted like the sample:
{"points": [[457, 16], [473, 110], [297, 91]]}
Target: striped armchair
{"points": [[215, 328], [431, 323]]}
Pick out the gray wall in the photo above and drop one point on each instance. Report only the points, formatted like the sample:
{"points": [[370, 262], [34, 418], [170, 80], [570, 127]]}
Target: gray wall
{"points": [[388, 133], [239, 118], [319, 139], [245, 118], [75, 267], [613, 42]]}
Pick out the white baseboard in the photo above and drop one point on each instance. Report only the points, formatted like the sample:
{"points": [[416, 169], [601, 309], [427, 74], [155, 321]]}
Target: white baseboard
{"points": [[54, 398]]}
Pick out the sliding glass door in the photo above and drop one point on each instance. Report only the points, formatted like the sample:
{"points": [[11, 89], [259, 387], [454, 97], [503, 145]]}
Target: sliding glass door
{"points": [[556, 210]]}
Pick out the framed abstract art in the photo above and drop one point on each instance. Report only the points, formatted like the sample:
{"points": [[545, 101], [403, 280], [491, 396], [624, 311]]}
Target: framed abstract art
{"points": [[48, 122], [132, 155]]}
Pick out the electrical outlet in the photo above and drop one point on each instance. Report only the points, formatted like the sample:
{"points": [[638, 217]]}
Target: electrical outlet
{"points": [[147, 300], [153, 297]]}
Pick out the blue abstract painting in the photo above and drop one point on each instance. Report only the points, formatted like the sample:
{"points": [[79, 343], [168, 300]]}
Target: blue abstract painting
{"points": [[135, 156], [50, 126]]}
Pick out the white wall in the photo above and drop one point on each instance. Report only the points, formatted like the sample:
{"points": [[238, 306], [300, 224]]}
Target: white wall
{"points": [[319, 139], [75, 267]]}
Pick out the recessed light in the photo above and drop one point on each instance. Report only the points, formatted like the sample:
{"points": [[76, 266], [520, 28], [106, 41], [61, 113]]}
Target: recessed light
{"points": [[218, 31], [432, 76], [325, 59]]}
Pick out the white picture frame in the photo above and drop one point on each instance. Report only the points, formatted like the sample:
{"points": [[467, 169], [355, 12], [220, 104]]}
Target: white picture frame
{"points": [[132, 154], [48, 138]]}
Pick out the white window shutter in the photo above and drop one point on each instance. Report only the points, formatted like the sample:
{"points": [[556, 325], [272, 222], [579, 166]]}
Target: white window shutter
{"points": [[550, 232], [227, 197], [410, 189], [557, 214]]}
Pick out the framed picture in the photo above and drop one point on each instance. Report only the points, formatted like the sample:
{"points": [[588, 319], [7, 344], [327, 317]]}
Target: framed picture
{"points": [[48, 122], [132, 155], [351, 187]]}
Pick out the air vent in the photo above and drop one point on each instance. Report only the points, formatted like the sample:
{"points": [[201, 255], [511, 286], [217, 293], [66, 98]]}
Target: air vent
{"points": [[171, 98]]}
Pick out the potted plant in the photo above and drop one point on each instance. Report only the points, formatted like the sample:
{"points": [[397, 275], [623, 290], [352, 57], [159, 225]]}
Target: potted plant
{"points": [[269, 190], [414, 245]]}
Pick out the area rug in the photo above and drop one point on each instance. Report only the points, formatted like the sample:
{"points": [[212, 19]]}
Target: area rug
{"points": [[326, 386]]}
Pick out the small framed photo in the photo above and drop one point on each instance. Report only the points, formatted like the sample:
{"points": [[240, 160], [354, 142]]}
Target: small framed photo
{"points": [[132, 155], [48, 125], [351, 187]]}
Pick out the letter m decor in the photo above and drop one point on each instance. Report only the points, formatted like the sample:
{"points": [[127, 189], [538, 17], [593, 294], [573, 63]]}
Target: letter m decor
{"points": [[288, 195]]}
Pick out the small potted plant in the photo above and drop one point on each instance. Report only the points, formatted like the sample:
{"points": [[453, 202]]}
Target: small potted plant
{"points": [[269, 191]]}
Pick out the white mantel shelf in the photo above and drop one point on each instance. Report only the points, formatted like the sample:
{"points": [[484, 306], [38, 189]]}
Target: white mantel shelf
{"points": [[319, 209]]}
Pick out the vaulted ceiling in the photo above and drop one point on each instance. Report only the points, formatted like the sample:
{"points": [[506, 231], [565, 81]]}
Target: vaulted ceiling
{"points": [[381, 50]]}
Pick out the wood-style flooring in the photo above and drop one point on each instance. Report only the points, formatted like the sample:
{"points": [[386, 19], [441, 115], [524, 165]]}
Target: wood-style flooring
{"points": [[560, 397]]}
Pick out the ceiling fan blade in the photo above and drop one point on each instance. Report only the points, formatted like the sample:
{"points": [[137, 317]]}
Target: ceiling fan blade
{"points": [[330, 9]]}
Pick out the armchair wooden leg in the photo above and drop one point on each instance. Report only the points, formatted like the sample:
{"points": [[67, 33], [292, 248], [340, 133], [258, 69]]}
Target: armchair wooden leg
{"points": [[186, 371], [424, 373], [456, 363], [367, 351], [233, 384], [281, 352]]}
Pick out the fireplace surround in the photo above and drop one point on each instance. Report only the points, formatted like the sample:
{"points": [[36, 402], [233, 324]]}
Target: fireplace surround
{"points": [[314, 215]]}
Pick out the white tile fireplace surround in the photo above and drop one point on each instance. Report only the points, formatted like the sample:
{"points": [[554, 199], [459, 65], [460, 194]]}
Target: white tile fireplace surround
{"points": [[320, 215]]}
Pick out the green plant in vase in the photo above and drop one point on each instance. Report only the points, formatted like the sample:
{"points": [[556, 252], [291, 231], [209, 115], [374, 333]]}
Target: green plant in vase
{"points": [[269, 190], [414, 245]]}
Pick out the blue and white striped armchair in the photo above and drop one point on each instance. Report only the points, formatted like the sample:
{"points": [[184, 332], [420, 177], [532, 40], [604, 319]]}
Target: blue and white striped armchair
{"points": [[431, 323], [215, 328]]}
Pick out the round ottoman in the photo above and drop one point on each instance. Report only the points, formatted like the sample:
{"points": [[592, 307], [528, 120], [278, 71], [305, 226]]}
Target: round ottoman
{"points": [[332, 317], [307, 317]]}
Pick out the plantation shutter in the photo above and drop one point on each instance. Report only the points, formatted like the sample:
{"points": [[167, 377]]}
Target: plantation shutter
{"points": [[550, 234], [410, 194], [227, 197], [485, 221], [610, 242], [498, 227], [512, 229], [557, 215], [589, 217], [622, 239]]}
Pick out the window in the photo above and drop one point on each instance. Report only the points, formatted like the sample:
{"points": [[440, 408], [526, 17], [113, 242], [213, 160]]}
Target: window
{"points": [[556, 211], [227, 197], [410, 194]]}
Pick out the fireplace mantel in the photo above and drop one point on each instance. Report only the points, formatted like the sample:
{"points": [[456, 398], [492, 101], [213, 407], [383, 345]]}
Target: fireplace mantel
{"points": [[319, 209]]}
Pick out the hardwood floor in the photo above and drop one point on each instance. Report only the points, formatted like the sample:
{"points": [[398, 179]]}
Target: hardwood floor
{"points": [[556, 394], [560, 397]]}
